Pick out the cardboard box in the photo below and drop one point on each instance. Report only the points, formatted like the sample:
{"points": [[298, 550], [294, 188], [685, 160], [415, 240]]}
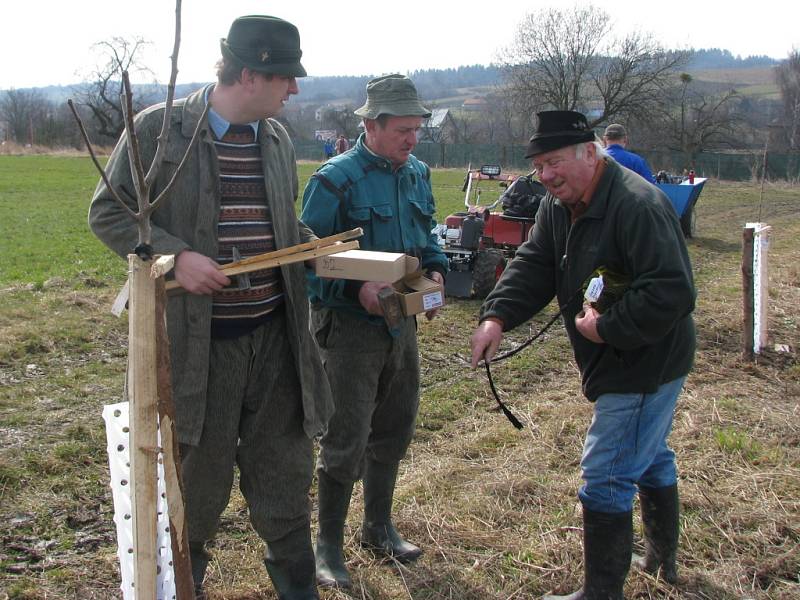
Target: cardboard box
{"points": [[364, 265], [418, 294]]}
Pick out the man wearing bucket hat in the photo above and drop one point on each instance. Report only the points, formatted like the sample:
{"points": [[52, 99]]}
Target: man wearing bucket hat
{"points": [[380, 186], [633, 351], [248, 383]]}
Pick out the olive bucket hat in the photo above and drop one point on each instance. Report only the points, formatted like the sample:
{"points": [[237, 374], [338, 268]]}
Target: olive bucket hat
{"points": [[265, 44], [557, 129], [392, 95]]}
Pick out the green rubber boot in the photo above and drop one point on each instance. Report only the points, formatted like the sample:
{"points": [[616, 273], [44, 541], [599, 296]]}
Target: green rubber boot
{"points": [[334, 500], [290, 564], [378, 532], [199, 557]]}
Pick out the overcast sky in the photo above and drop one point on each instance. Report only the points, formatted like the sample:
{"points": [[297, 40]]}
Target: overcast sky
{"points": [[46, 42]]}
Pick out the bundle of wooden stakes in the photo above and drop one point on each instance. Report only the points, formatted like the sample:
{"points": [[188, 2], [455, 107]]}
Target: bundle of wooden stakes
{"points": [[301, 252]]}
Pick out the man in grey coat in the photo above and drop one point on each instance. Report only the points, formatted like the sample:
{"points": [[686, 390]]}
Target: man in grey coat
{"points": [[248, 382]]}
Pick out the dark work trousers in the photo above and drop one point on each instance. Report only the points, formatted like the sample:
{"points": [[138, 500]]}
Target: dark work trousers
{"points": [[374, 378], [254, 419]]}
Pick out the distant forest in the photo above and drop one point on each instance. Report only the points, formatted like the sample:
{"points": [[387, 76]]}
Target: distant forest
{"points": [[434, 84], [714, 58]]}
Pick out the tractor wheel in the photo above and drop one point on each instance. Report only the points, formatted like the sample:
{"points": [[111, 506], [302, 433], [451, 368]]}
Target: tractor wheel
{"points": [[689, 222], [489, 265]]}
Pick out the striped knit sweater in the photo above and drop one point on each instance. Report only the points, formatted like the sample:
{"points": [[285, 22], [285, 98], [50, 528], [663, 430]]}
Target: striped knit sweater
{"points": [[244, 223]]}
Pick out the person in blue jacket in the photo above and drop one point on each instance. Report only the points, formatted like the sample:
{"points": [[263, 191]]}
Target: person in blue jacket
{"points": [[615, 140], [380, 186]]}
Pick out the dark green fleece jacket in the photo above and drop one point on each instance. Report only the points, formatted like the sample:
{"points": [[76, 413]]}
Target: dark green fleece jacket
{"points": [[631, 228]]}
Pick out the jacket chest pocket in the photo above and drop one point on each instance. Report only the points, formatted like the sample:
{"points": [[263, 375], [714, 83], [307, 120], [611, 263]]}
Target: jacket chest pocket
{"points": [[378, 223], [421, 220]]}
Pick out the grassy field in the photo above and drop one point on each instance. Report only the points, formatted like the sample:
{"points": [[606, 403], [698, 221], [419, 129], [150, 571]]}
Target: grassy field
{"points": [[494, 509]]}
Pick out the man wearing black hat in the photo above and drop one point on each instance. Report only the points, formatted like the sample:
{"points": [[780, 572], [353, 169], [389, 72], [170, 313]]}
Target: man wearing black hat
{"points": [[632, 335], [381, 187], [248, 382]]}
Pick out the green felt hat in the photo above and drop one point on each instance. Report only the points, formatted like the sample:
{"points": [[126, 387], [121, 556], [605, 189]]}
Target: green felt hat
{"points": [[265, 44]]}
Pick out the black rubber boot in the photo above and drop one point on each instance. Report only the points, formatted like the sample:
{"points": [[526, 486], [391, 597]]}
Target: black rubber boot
{"points": [[199, 558], [334, 500], [607, 546], [660, 512], [378, 532], [290, 564]]}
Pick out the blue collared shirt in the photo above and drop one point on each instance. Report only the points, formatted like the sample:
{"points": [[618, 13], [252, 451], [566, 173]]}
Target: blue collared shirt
{"points": [[220, 125]]}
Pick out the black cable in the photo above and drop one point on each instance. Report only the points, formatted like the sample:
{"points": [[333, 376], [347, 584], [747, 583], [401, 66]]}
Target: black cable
{"points": [[509, 415]]}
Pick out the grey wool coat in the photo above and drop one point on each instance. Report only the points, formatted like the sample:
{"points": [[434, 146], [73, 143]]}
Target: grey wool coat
{"points": [[187, 219]]}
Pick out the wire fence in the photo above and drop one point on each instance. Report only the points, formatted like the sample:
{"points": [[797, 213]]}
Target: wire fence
{"points": [[731, 166]]}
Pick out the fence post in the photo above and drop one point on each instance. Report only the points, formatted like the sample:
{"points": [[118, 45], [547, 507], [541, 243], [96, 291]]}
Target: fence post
{"points": [[755, 288]]}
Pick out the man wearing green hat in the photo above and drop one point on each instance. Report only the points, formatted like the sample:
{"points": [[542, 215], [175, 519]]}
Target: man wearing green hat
{"points": [[380, 186], [633, 347], [248, 383]]}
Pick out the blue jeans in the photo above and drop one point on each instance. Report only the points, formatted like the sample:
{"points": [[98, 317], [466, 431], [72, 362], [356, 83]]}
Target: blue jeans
{"points": [[626, 446]]}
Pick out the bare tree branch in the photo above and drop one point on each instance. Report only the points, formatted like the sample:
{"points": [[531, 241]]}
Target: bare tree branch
{"points": [[97, 164], [142, 182], [567, 59], [192, 142], [161, 147], [134, 152]]}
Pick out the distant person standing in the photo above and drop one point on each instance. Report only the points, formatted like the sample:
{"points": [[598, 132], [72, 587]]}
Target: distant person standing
{"points": [[329, 148], [615, 139], [342, 145]]}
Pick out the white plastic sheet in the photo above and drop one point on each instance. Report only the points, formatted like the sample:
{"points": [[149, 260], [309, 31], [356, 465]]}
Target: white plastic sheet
{"points": [[116, 418]]}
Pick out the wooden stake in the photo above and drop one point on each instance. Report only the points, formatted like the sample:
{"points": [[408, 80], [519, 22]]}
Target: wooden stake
{"points": [[143, 392], [266, 261], [173, 482], [747, 293]]}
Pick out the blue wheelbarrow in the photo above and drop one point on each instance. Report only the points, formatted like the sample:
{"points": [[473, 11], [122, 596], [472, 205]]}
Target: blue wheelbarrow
{"points": [[684, 197]]}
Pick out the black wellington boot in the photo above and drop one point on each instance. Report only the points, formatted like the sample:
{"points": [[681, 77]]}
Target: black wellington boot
{"points": [[199, 557], [378, 532], [290, 564], [334, 500], [660, 512], [607, 546]]}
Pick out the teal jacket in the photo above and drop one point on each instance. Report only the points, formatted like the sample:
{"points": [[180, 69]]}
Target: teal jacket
{"points": [[395, 209]]}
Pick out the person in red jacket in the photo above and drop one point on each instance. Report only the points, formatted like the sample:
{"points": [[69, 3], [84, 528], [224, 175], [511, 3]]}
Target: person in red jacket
{"points": [[342, 145]]}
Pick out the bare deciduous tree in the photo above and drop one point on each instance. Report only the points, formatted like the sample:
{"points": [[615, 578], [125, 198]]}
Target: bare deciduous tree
{"points": [[22, 111], [568, 59], [788, 77], [103, 89], [341, 119], [692, 120]]}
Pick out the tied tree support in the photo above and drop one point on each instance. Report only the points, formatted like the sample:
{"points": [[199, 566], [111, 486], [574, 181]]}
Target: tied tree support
{"points": [[148, 386]]}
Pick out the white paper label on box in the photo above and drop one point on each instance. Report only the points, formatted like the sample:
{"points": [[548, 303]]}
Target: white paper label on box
{"points": [[432, 300], [594, 289]]}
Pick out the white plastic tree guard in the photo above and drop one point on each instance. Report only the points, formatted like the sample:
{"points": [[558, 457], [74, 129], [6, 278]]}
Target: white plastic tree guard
{"points": [[760, 284], [116, 417]]}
